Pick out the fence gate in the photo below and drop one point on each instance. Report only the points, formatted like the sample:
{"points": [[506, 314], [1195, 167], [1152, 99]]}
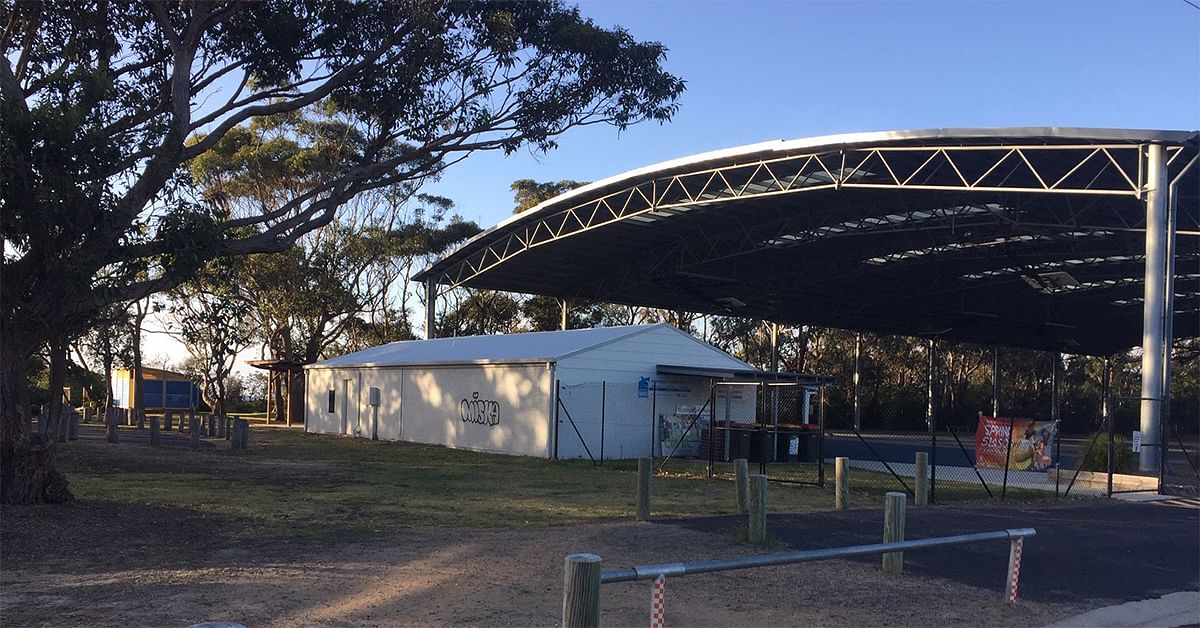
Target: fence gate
{"points": [[774, 425]]}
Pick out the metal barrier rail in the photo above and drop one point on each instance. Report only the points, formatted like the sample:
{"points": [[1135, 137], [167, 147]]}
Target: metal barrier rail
{"points": [[583, 577]]}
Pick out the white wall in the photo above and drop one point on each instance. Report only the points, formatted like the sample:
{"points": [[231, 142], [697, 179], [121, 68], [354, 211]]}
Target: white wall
{"points": [[629, 416], [435, 399], [426, 405]]}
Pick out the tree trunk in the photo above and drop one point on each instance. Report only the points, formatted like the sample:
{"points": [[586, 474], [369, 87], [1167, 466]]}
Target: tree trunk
{"points": [[108, 369], [53, 420], [27, 473], [138, 399]]}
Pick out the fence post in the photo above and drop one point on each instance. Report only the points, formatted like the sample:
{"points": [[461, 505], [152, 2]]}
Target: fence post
{"points": [[194, 428], [581, 591], [241, 434], [921, 475], [741, 470], [841, 483], [645, 472], [154, 431], [1014, 569], [893, 530], [758, 509], [110, 429]]}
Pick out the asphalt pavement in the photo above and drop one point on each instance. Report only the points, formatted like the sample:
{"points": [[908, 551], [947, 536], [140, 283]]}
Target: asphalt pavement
{"points": [[1100, 551]]}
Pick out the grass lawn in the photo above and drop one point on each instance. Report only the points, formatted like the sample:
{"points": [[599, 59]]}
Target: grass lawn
{"points": [[305, 484], [292, 484]]}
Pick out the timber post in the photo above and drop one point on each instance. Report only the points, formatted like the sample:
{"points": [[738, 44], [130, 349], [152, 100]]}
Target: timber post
{"points": [[154, 439], [758, 509], [841, 483], [110, 426], [581, 591], [893, 530], [645, 473], [921, 475], [741, 470]]}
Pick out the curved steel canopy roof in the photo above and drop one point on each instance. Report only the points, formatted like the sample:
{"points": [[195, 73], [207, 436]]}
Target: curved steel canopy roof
{"points": [[1027, 237]]}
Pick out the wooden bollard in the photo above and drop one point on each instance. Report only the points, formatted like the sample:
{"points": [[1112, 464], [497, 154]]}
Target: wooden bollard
{"points": [[62, 426], [223, 427], [194, 428], [168, 420], [841, 483], [241, 434], [141, 418], [110, 428], [87, 414], [758, 509], [921, 475], [893, 530], [73, 426], [154, 431], [581, 591], [741, 474], [645, 473]]}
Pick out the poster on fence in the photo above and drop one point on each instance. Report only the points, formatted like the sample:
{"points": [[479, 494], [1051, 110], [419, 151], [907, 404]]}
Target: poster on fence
{"points": [[676, 435], [1032, 444]]}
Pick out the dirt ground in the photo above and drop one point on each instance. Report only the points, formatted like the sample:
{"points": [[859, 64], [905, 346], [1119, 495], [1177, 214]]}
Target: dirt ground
{"points": [[106, 566]]}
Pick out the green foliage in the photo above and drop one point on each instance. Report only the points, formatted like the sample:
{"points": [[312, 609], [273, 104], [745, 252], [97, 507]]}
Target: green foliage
{"points": [[283, 112], [528, 193], [1096, 459]]}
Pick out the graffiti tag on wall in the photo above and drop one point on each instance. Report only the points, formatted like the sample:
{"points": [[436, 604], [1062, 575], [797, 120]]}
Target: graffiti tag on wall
{"points": [[479, 411]]}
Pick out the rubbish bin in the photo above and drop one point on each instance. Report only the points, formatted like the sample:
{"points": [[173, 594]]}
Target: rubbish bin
{"points": [[739, 443], [758, 447], [807, 451]]}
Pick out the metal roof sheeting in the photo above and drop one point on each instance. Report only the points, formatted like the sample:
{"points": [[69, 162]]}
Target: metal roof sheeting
{"points": [[543, 346]]}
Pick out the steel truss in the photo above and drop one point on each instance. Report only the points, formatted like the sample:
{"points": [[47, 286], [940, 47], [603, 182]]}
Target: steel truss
{"points": [[1077, 170]]}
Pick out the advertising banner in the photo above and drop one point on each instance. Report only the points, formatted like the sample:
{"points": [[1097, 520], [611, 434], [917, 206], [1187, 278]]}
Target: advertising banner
{"points": [[1032, 443]]}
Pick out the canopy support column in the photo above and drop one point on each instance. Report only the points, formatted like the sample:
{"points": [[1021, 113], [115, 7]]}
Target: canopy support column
{"points": [[1055, 367], [774, 347], [857, 377], [995, 382], [1155, 289], [430, 307]]}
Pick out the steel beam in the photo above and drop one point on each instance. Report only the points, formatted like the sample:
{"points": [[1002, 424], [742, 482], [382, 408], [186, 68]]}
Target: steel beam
{"points": [[566, 311], [1153, 306]]}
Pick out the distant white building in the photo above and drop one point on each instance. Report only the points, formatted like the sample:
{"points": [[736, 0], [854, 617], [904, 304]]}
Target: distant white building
{"points": [[502, 394]]}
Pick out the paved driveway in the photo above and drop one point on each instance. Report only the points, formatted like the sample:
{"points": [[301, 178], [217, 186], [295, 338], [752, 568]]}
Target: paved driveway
{"points": [[1100, 550]]}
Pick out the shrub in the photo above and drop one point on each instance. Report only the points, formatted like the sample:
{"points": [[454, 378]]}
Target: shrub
{"points": [[1097, 458]]}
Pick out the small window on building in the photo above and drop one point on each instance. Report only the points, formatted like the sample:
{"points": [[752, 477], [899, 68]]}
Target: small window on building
{"points": [[331, 393]]}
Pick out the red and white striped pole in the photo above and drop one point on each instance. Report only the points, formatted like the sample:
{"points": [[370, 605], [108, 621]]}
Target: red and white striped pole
{"points": [[658, 602], [1014, 568]]}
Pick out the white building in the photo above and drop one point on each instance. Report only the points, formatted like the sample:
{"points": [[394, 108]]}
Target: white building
{"points": [[498, 393]]}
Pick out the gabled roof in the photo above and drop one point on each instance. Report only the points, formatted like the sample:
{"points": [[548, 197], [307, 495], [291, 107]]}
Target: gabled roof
{"points": [[542, 346]]}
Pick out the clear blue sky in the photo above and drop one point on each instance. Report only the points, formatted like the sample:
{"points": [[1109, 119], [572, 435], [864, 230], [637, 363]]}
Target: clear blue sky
{"points": [[759, 71]]}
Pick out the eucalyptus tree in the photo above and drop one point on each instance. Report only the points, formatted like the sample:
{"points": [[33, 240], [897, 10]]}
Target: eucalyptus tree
{"points": [[213, 323], [104, 107]]}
